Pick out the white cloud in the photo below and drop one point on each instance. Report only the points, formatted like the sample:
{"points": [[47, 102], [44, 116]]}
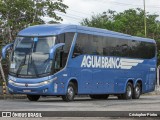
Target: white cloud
{"points": [[79, 9]]}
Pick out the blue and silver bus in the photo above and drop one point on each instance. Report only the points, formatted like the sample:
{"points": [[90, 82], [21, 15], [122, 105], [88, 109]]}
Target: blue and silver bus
{"points": [[68, 60]]}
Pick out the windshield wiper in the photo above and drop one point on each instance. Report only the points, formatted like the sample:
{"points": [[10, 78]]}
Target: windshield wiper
{"points": [[20, 66], [34, 67]]}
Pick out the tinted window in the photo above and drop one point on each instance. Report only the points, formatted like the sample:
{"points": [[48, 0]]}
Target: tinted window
{"points": [[140, 49], [88, 44], [113, 46], [109, 46], [66, 38], [82, 45], [98, 45]]}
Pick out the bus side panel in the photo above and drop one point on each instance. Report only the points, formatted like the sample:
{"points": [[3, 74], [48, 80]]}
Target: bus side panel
{"points": [[112, 80], [86, 81], [150, 76], [98, 80], [108, 81], [83, 75]]}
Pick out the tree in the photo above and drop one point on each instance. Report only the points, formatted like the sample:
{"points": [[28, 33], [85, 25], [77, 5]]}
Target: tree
{"points": [[18, 14], [104, 20], [132, 22], [129, 21]]}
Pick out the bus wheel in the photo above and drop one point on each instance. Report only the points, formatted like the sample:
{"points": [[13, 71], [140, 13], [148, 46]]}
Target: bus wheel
{"points": [[129, 91], [33, 97], [70, 93], [137, 91]]}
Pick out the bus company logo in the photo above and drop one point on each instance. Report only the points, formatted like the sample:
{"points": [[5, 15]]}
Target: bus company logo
{"points": [[26, 84], [109, 62], [6, 114]]}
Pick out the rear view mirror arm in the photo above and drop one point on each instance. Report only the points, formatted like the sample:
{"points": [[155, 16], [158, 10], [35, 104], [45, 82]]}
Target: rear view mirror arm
{"points": [[53, 49], [5, 49]]}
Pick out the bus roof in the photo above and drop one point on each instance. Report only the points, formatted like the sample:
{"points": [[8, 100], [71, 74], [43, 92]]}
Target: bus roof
{"points": [[55, 29]]}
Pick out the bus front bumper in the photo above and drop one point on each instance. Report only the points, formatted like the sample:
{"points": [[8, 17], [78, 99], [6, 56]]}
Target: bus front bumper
{"points": [[36, 88]]}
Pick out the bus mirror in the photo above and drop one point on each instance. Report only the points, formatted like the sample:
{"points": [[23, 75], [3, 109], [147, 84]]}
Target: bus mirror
{"points": [[53, 49], [5, 49]]}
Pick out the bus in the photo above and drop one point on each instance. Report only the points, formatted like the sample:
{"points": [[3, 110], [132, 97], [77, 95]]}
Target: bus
{"points": [[68, 60]]}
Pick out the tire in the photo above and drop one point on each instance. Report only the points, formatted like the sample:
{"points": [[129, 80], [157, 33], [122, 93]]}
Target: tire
{"points": [[71, 90], [129, 92], [137, 91], [99, 96], [33, 97]]}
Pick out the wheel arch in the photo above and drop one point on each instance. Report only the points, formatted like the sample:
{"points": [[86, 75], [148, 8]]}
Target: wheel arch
{"points": [[128, 95], [140, 82], [128, 80], [74, 81]]}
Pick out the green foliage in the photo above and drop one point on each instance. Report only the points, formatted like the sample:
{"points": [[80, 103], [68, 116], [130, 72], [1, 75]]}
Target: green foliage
{"points": [[129, 22], [18, 14], [104, 20]]}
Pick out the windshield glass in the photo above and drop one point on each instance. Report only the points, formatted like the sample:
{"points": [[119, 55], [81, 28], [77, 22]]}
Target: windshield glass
{"points": [[31, 56]]}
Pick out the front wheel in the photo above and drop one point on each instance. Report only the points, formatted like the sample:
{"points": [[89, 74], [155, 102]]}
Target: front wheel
{"points": [[70, 93], [129, 91], [33, 97], [137, 91]]}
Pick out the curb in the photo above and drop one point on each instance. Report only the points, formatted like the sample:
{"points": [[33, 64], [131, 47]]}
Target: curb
{"points": [[9, 96]]}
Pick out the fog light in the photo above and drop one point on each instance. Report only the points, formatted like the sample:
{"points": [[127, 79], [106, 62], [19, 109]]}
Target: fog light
{"points": [[45, 90], [10, 89]]}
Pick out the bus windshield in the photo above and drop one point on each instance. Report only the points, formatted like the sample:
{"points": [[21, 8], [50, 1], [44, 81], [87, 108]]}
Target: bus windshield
{"points": [[30, 56]]}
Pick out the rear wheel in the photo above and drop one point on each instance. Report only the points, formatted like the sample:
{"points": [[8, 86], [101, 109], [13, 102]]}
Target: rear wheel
{"points": [[129, 91], [137, 91], [33, 97], [70, 93], [99, 96]]}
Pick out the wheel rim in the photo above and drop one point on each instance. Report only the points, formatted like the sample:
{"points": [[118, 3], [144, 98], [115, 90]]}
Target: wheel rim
{"points": [[70, 92], [129, 91], [137, 90]]}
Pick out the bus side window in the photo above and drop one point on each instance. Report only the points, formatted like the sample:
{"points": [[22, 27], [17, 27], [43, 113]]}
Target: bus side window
{"points": [[77, 51], [81, 45]]}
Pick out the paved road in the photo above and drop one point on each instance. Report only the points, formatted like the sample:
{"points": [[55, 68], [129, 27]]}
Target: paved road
{"points": [[145, 103], [150, 103]]}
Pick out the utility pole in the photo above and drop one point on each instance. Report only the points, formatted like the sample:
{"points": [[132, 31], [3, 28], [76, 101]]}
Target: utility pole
{"points": [[1, 71], [145, 25]]}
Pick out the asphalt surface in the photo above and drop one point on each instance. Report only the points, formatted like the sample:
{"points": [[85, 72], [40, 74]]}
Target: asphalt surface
{"points": [[149, 102], [145, 103]]}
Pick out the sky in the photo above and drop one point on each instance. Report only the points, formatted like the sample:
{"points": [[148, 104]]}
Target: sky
{"points": [[80, 9]]}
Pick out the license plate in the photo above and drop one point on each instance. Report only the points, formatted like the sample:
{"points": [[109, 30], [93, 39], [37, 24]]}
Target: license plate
{"points": [[26, 90]]}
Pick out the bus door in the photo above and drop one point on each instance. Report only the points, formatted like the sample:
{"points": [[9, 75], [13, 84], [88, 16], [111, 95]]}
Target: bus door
{"points": [[83, 74], [151, 76]]}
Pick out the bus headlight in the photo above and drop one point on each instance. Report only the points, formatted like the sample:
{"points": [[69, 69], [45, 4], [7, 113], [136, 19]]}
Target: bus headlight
{"points": [[55, 78], [10, 81], [46, 82]]}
